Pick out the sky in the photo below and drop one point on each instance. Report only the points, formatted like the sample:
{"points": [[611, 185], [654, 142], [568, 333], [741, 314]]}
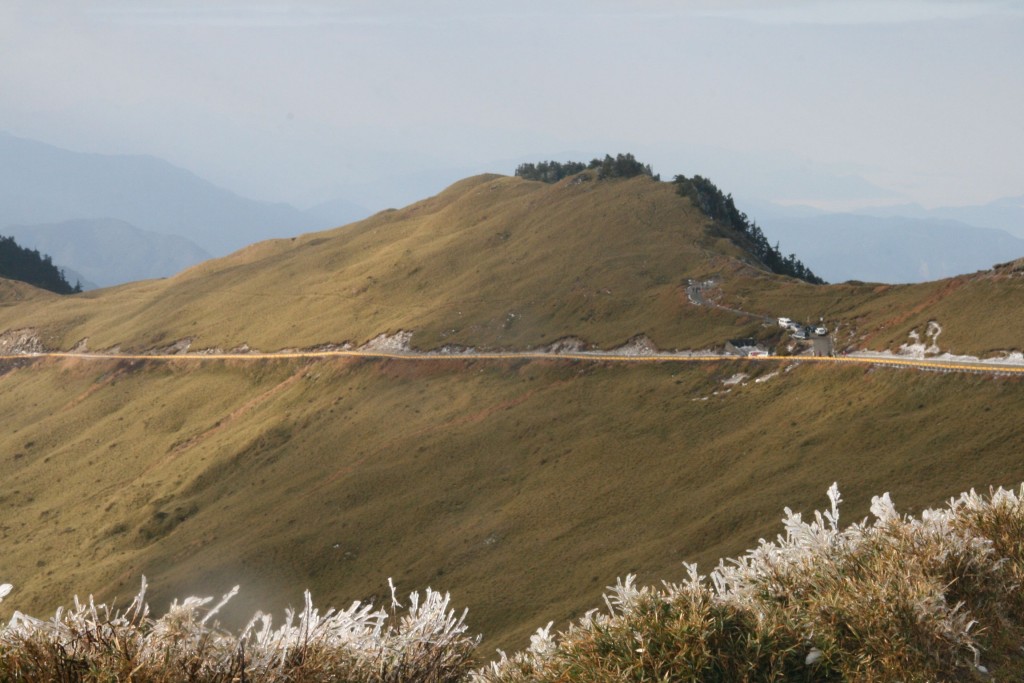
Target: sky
{"points": [[835, 104]]}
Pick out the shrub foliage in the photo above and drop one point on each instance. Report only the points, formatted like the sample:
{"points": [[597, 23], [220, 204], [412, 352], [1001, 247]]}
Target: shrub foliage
{"points": [[91, 642]]}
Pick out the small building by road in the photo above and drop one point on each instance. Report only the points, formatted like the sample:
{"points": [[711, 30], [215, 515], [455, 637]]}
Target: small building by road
{"points": [[746, 347]]}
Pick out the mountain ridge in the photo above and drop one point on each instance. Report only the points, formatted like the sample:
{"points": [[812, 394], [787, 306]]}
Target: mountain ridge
{"points": [[501, 262]]}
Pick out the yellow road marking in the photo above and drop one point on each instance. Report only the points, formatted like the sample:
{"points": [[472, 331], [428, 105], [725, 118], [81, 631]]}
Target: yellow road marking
{"points": [[957, 366]]}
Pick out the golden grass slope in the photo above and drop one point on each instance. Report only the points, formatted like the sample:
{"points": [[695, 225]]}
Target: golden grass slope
{"points": [[523, 488], [491, 261], [501, 262]]}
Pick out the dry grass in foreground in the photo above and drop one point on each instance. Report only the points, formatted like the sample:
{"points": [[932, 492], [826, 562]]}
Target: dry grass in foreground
{"points": [[935, 598], [95, 643]]}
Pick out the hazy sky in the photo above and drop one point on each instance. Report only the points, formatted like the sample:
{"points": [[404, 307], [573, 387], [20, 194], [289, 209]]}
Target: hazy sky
{"points": [[834, 102]]}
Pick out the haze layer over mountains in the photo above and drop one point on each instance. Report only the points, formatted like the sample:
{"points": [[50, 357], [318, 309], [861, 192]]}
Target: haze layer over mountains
{"points": [[118, 218]]}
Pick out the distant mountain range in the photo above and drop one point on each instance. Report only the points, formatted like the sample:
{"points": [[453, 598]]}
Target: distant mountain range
{"points": [[883, 245], [894, 249], [1002, 214], [106, 251], [115, 195]]}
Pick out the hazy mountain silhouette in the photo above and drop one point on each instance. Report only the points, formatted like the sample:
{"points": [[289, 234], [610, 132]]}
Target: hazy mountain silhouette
{"points": [[1006, 213], [894, 249], [40, 184]]}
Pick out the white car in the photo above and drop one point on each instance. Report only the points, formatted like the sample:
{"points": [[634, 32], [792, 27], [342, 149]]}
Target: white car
{"points": [[785, 322], [820, 331]]}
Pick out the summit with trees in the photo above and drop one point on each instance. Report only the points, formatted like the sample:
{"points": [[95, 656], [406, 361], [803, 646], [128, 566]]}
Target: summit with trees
{"points": [[619, 166], [717, 205]]}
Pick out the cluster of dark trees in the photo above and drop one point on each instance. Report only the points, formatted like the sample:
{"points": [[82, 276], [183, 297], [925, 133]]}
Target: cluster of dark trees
{"points": [[550, 171], [620, 166], [28, 265], [720, 207]]}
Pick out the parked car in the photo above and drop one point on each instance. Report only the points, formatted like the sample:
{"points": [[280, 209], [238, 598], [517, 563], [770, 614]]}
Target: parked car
{"points": [[821, 330], [785, 322]]}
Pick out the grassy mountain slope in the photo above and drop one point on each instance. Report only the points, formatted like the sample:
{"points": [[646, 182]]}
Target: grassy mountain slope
{"points": [[14, 291], [979, 313], [501, 262], [492, 261], [522, 487]]}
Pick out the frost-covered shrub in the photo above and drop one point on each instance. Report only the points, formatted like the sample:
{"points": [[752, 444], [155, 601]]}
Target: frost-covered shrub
{"points": [[937, 598], [95, 643]]}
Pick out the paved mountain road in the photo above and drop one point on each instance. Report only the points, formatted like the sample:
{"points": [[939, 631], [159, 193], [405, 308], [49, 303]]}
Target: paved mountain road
{"points": [[958, 365], [695, 293]]}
